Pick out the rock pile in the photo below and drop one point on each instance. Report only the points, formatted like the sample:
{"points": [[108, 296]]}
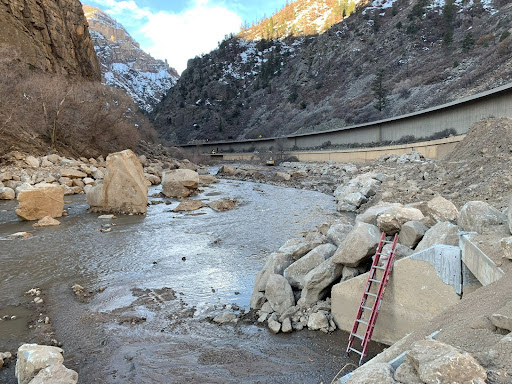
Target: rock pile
{"points": [[292, 290]]}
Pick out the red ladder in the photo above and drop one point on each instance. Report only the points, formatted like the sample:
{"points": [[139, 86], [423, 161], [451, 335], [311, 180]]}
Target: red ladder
{"points": [[374, 308]]}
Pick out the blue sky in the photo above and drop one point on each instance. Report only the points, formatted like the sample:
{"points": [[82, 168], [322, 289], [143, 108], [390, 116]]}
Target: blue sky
{"points": [[178, 30]]}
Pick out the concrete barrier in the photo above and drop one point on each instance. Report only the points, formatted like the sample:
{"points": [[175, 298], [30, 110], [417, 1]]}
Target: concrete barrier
{"points": [[421, 287], [480, 265]]}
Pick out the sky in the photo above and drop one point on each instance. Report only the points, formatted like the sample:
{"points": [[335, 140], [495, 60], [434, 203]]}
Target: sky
{"points": [[178, 30]]}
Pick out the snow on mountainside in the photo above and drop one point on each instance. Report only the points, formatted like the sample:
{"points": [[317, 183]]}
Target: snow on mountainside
{"points": [[125, 65]]}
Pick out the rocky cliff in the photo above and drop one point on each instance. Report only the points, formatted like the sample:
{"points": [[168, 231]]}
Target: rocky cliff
{"points": [[388, 58], [125, 65], [51, 35]]}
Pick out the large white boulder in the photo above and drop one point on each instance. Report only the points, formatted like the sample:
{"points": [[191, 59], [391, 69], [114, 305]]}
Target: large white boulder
{"points": [[279, 293], [359, 245], [441, 233], [123, 189], [478, 216], [32, 358], [318, 280], [34, 203], [7, 193], [179, 182]]}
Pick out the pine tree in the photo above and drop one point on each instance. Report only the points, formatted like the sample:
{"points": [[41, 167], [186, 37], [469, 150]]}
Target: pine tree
{"points": [[379, 91]]}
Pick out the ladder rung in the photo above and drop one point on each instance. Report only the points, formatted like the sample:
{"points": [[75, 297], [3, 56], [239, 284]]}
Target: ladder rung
{"points": [[368, 308], [376, 281], [358, 336], [356, 351], [371, 294], [377, 267], [362, 321]]}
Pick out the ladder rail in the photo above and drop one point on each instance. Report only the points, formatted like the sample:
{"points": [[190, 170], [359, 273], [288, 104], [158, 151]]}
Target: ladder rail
{"points": [[370, 324], [367, 288]]}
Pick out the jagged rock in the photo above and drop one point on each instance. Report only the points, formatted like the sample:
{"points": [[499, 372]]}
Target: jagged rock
{"points": [[32, 358], [55, 374], [349, 273], [227, 170], [47, 221], [189, 205], [123, 188], [317, 280], [318, 320], [406, 373], [42, 200], [53, 158], [478, 216], [88, 181], [297, 248], [441, 233], [225, 317], [223, 205], [506, 245], [32, 161], [393, 218], [359, 245], [286, 327], [411, 233], [72, 173], [207, 179], [153, 179], [338, 232], [257, 300], [370, 215], [7, 193], [411, 157], [274, 326], [377, 373], [350, 196], [279, 293], [441, 209], [179, 182], [439, 363], [277, 262], [503, 318], [296, 272]]}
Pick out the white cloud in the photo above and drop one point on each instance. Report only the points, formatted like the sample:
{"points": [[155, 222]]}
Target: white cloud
{"points": [[177, 37]]}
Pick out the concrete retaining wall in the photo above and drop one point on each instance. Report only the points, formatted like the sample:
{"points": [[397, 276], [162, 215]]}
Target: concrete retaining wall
{"points": [[421, 287], [480, 265], [459, 115]]}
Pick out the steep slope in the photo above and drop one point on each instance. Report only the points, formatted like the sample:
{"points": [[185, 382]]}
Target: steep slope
{"points": [[427, 52], [299, 18], [51, 35], [124, 64]]}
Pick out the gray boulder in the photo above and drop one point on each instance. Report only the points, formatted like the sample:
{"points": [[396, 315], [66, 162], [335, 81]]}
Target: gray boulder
{"points": [[370, 215], [440, 363], [406, 373], [274, 326], [55, 374], [318, 280], [359, 245], [338, 232], [411, 233], [392, 219], [357, 191], [441, 209], [296, 272], [7, 193], [478, 216], [32, 358], [296, 248], [503, 318], [318, 320], [441, 233], [279, 293], [377, 373]]}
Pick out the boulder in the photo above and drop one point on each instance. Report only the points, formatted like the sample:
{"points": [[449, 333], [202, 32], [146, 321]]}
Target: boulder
{"points": [[179, 182], [503, 317], [370, 215], [189, 205], [32, 358], [257, 300], [478, 216], [318, 280], [441, 209], [274, 326], [73, 173], [376, 373], [439, 363], [42, 200], [227, 170], [359, 245], [47, 221], [393, 218], [286, 327], [441, 233], [55, 374], [349, 273], [357, 191], [406, 373], [338, 232], [297, 248], [277, 262], [296, 272], [411, 233], [506, 245], [279, 293], [283, 176], [32, 161], [225, 318], [223, 205], [207, 179], [53, 158], [7, 193], [123, 189], [318, 320]]}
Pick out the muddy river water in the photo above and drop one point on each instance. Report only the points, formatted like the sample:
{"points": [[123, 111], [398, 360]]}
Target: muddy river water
{"points": [[155, 282]]}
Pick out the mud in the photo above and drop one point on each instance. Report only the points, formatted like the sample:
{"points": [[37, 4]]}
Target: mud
{"points": [[154, 282]]}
